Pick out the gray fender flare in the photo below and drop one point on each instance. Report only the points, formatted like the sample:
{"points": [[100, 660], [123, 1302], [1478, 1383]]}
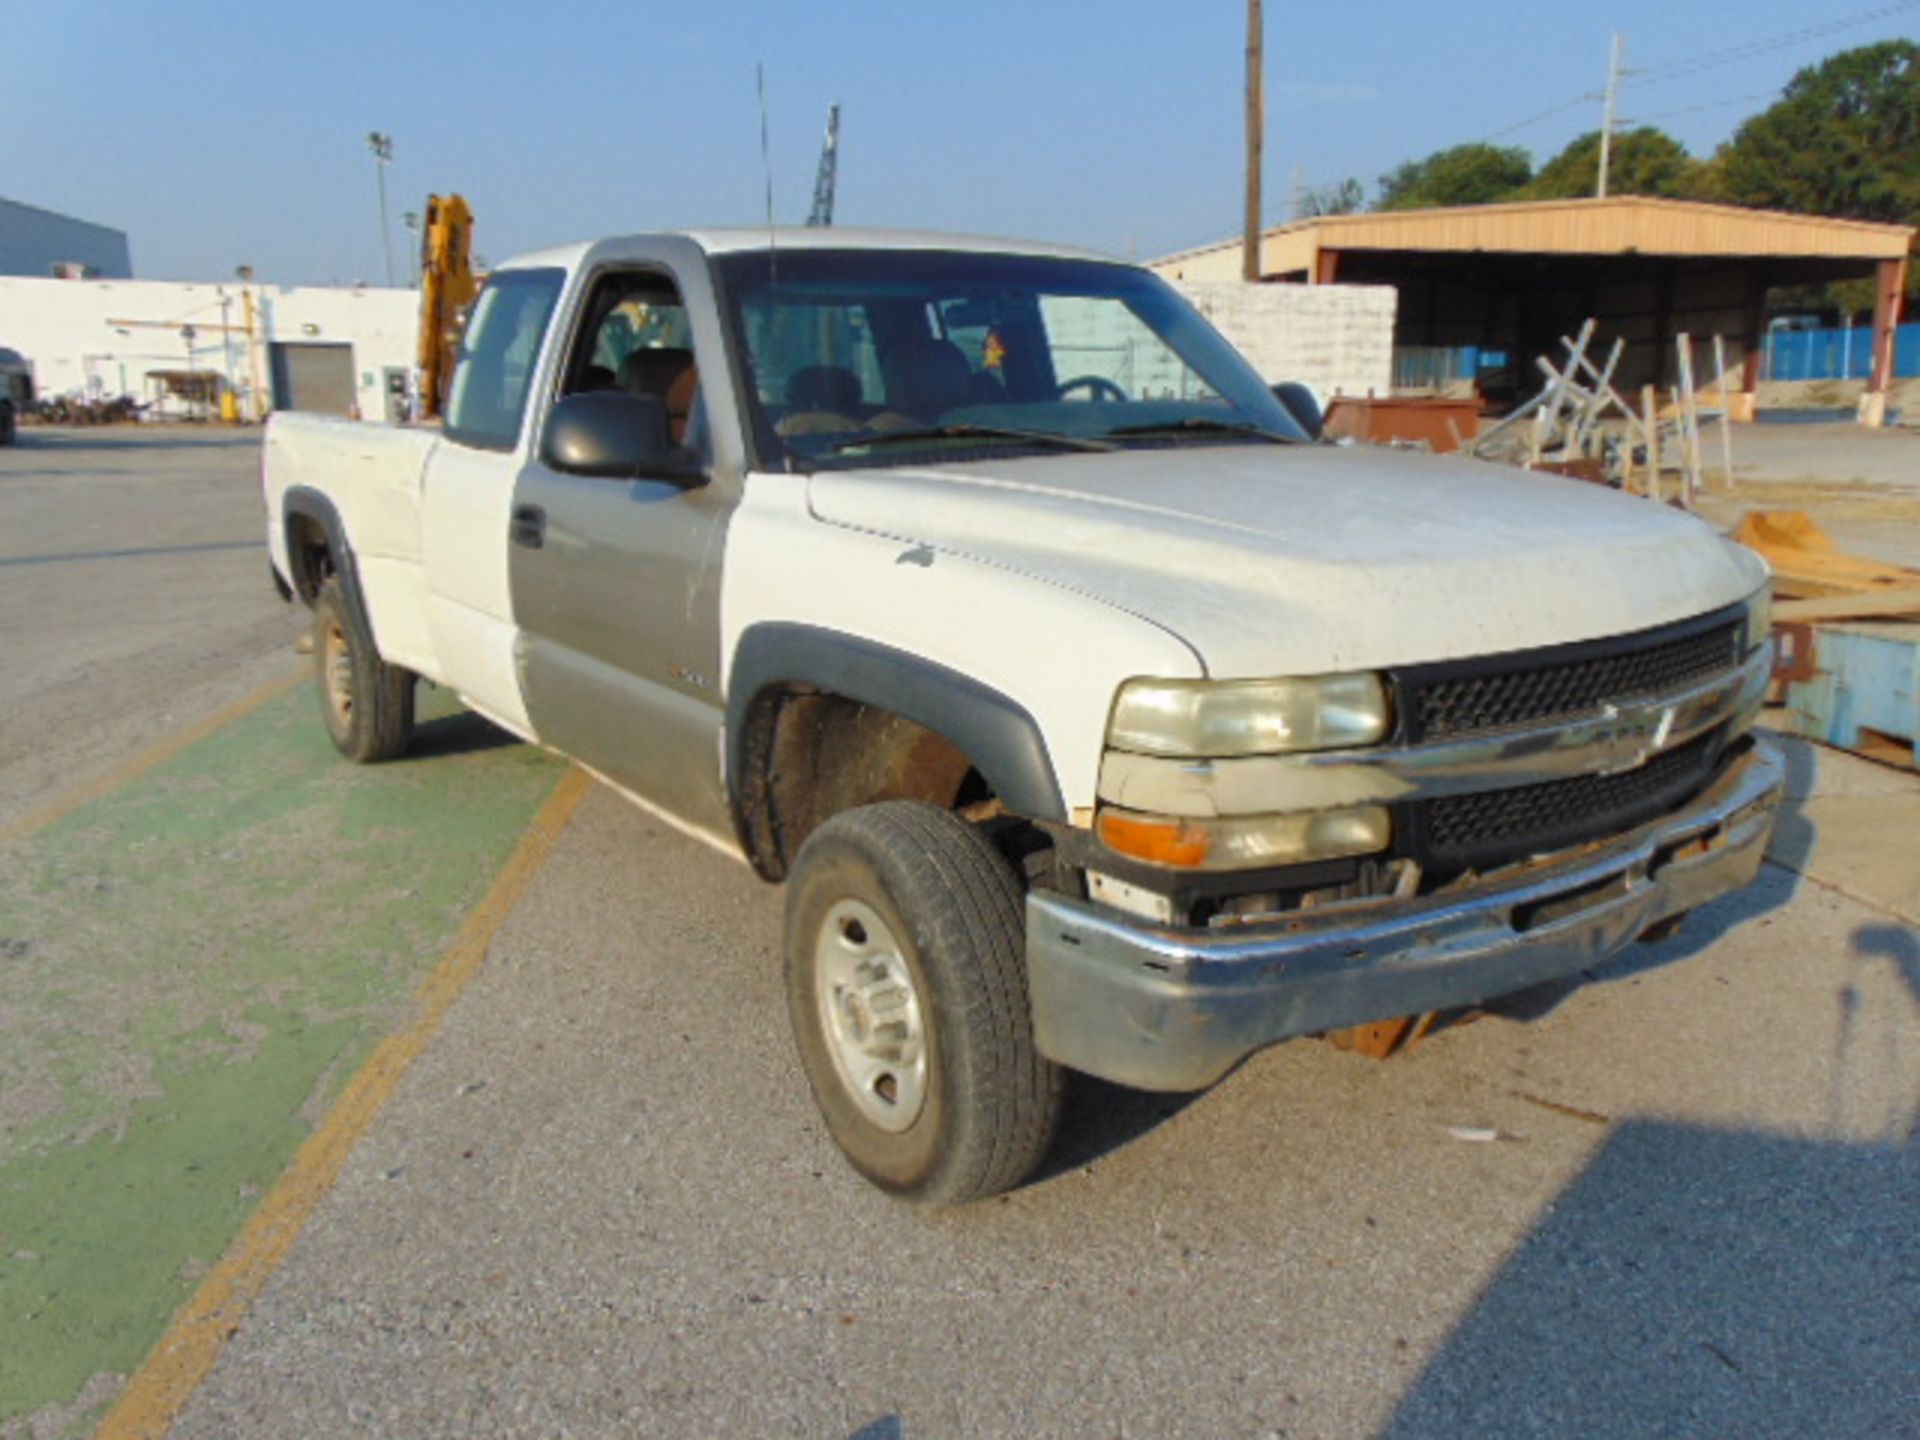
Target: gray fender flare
{"points": [[1001, 738], [303, 502]]}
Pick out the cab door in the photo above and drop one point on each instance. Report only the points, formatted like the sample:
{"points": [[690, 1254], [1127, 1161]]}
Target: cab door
{"points": [[616, 583], [469, 481]]}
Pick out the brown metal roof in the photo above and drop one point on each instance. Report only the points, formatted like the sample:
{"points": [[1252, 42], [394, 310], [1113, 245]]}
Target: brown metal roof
{"points": [[1618, 225]]}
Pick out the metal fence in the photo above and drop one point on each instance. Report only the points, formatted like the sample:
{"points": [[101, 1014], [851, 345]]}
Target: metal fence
{"points": [[1843, 354], [1434, 367]]}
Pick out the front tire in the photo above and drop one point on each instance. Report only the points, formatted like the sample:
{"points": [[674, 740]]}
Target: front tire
{"points": [[367, 703], [907, 988]]}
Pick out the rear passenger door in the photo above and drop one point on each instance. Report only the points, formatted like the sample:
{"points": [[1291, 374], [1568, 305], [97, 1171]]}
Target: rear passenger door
{"points": [[616, 583]]}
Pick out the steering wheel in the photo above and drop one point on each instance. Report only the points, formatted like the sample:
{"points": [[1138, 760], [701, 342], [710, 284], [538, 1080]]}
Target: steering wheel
{"points": [[1098, 388]]}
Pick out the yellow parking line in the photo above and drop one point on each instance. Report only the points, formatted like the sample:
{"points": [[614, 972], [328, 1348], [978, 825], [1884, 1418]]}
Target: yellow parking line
{"points": [[173, 1371], [141, 761]]}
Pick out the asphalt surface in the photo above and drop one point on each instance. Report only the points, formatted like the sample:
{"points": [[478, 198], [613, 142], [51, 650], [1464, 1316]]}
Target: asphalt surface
{"points": [[199, 954], [1677, 1201], [602, 1205], [134, 596]]}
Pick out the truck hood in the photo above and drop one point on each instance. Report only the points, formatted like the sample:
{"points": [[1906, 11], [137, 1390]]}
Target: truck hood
{"points": [[1298, 560]]}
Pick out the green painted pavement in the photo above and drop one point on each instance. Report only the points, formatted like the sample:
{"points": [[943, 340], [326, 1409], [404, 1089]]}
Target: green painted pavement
{"points": [[191, 968]]}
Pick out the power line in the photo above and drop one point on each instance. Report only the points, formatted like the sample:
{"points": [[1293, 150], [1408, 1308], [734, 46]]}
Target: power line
{"points": [[1532, 120], [1709, 105], [1754, 49], [1708, 60]]}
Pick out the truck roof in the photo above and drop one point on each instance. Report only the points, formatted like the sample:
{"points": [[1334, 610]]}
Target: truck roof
{"points": [[730, 240]]}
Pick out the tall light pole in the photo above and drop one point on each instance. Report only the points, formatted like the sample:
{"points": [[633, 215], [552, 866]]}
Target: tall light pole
{"points": [[1256, 128], [382, 148], [410, 222]]}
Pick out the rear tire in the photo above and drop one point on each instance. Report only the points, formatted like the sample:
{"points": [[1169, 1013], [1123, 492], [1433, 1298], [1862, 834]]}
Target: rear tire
{"points": [[907, 988], [366, 703], [8, 425]]}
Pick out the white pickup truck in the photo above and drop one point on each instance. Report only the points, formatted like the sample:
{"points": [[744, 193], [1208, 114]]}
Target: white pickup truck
{"points": [[1097, 718]]}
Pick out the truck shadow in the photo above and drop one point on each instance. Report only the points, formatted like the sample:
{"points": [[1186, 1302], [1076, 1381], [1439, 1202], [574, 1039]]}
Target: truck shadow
{"points": [[1898, 947], [1100, 1118], [461, 733], [1696, 1281]]}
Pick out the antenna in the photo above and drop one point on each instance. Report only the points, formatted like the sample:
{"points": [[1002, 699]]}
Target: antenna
{"points": [[766, 160]]}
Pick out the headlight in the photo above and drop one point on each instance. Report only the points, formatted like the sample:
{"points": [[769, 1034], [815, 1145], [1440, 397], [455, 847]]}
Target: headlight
{"points": [[1245, 842], [1760, 615], [1219, 718]]}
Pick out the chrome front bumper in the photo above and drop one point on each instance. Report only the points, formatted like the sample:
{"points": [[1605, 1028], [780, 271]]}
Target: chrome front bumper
{"points": [[1170, 1008]]}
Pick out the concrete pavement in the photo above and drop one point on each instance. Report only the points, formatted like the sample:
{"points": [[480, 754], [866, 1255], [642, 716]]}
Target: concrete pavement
{"points": [[1678, 1200], [602, 1205], [201, 941]]}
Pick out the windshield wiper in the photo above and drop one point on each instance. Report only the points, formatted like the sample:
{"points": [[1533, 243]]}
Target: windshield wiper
{"points": [[971, 432], [1195, 425]]}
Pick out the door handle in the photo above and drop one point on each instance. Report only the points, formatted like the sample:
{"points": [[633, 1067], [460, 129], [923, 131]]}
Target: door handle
{"points": [[529, 527]]}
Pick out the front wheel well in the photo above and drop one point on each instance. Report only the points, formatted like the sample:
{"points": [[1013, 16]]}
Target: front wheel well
{"points": [[812, 754]]}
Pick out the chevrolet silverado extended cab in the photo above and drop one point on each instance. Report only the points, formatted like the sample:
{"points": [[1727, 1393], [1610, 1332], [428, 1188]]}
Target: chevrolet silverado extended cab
{"points": [[1096, 718]]}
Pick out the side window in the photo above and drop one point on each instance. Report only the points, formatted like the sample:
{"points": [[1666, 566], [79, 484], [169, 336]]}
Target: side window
{"points": [[497, 356], [637, 338]]}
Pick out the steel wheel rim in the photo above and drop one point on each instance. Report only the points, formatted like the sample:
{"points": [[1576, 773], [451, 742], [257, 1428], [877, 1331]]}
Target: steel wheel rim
{"points": [[871, 1015], [336, 668]]}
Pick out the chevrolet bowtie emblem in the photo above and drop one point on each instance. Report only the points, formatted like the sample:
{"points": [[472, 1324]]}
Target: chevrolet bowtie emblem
{"points": [[1629, 740]]}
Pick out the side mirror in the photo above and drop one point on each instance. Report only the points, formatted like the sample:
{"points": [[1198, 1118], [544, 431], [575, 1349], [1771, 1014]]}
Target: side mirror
{"points": [[1299, 401], [618, 435]]}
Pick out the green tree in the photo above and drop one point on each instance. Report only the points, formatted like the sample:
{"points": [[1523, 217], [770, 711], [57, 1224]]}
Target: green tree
{"points": [[1476, 174], [1844, 139], [1344, 198], [1646, 161]]}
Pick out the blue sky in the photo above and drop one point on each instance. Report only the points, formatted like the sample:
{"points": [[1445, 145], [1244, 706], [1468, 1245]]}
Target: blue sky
{"points": [[221, 134]]}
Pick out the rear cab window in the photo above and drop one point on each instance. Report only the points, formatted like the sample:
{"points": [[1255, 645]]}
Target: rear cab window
{"points": [[497, 357]]}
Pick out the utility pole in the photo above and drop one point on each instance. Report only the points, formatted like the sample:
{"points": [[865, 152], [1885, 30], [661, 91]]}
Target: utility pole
{"points": [[256, 393], [1256, 128], [382, 148], [1607, 120]]}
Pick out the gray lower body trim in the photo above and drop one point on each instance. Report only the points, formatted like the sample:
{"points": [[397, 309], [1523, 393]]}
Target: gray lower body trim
{"points": [[1167, 1008]]}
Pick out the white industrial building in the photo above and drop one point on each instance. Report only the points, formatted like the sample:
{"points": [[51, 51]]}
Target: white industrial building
{"points": [[182, 347], [43, 243]]}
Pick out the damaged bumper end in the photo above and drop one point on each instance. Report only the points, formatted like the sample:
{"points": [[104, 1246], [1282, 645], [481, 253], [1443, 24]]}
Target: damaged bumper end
{"points": [[1170, 1008]]}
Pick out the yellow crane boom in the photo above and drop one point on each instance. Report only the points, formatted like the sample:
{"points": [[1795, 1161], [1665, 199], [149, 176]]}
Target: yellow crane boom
{"points": [[447, 288]]}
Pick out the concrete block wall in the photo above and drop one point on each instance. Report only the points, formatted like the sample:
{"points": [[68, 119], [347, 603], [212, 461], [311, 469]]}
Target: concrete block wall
{"points": [[1336, 338], [67, 330]]}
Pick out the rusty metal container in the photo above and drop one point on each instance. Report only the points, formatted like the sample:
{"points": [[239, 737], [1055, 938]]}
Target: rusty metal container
{"points": [[1412, 418]]}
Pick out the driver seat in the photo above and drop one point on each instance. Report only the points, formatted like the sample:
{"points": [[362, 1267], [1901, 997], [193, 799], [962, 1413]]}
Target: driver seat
{"points": [[925, 379]]}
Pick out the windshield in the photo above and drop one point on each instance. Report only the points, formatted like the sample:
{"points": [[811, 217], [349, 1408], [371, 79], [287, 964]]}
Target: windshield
{"points": [[871, 357]]}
